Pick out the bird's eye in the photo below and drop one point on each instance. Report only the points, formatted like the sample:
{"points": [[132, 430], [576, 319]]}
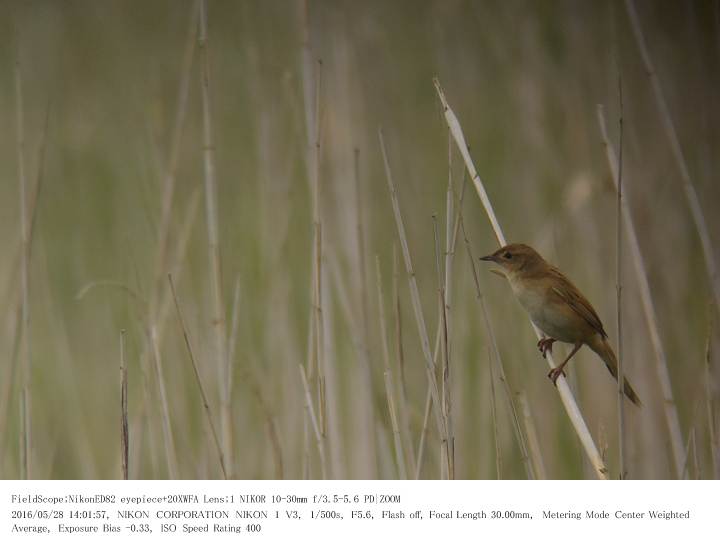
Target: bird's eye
{"points": [[507, 255]]}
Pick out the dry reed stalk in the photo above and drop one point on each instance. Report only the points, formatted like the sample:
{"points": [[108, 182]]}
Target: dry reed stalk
{"points": [[449, 450], [310, 359], [318, 261], [451, 225], [174, 153], [170, 451], [307, 80], [532, 438], [26, 402], [229, 379], [446, 297], [686, 466], [564, 391], [19, 265], [493, 413], [687, 182], [310, 99], [234, 325], [428, 409], [273, 435], [417, 306], [124, 433], [254, 384], [710, 403], [517, 429], [429, 406], [389, 383], [158, 323], [400, 357], [314, 421], [180, 251], [9, 381], [670, 412], [308, 94], [696, 463], [144, 411], [218, 321], [191, 354], [360, 242], [365, 392], [451, 240], [319, 329], [618, 273], [159, 304], [362, 398], [424, 432], [136, 433]]}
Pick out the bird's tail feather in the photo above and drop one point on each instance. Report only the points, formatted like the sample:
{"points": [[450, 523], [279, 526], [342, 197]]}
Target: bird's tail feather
{"points": [[603, 349]]}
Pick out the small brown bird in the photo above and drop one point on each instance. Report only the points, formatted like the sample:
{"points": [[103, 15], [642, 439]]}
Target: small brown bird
{"points": [[556, 307]]}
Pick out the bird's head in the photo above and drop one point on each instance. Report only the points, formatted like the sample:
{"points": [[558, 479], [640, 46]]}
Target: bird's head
{"points": [[515, 257]]}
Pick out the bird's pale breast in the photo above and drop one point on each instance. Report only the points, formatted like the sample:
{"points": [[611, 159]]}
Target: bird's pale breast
{"points": [[549, 312]]}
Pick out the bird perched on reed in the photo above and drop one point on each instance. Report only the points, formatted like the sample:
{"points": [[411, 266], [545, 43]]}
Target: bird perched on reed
{"points": [[556, 307]]}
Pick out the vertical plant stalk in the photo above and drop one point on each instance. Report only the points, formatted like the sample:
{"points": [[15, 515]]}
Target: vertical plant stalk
{"points": [[191, 354], [234, 325], [159, 322], [11, 370], [687, 182], [532, 438], [449, 450], [710, 403], [310, 359], [365, 389], [174, 154], [218, 309], [360, 242], [318, 329], [170, 451], [124, 433], [451, 226], [272, 432], [424, 432], [618, 262], [400, 357], [670, 412], [517, 429], [307, 96], [417, 306], [493, 413], [25, 403], [564, 391], [389, 383], [318, 259], [313, 419]]}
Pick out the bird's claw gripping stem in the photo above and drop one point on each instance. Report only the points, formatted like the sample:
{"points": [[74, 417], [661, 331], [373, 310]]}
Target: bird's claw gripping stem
{"points": [[555, 373], [545, 345]]}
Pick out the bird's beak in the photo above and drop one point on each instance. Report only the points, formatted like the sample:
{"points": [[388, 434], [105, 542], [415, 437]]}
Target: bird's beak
{"points": [[493, 258]]}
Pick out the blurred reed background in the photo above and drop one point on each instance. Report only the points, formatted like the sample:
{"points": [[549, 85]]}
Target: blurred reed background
{"points": [[143, 171]]}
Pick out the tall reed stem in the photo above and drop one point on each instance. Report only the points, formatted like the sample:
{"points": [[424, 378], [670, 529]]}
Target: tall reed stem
{"points": [[566, 395], [124, 434], [670, 412], [218, 314], [618, 261], [417, 306], [25, 404], [203, 396]]}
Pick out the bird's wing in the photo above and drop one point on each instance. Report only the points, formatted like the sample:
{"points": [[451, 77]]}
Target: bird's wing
{"points": [[577, 302]]}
